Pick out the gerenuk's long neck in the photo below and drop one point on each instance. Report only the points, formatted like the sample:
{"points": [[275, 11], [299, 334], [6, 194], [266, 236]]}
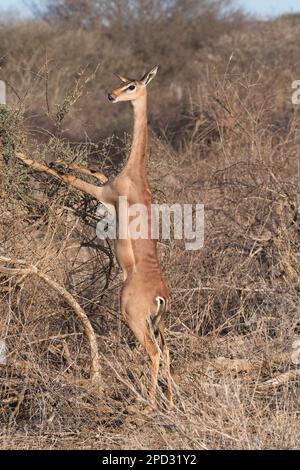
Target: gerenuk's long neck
{"points": [[138, 155]]}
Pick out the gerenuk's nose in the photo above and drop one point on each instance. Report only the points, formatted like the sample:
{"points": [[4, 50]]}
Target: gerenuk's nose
{"points": [[110, 97]]}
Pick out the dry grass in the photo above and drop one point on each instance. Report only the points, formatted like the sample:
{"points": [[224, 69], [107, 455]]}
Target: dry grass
{"points": [[235, 311]]}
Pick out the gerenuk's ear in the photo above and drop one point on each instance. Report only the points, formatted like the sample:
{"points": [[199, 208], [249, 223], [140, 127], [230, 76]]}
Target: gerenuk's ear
{"points": [[149, 75], [123, 79]]}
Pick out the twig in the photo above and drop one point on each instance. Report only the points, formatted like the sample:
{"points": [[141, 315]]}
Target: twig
{"points": [[279, 379], [51, 338], [95, 362]]}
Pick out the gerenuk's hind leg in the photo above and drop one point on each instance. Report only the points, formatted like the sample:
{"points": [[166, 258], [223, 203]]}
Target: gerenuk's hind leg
{"points": [[166, 354], [142, 333]]}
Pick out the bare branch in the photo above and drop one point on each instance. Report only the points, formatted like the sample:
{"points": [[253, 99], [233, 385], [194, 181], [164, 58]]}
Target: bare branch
{"points": [[95, 361], [279, 379], [69, 179]]}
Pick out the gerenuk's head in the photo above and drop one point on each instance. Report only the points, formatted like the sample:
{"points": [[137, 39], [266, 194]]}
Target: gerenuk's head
{"points": [[132, 89]]}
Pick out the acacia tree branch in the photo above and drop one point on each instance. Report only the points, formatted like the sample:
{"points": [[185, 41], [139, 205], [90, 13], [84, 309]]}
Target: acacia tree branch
{"points": [[77, 183], [27, 270], [279, 379]]}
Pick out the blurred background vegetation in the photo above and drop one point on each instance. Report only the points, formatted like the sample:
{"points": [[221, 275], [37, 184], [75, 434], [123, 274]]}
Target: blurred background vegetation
{"points": [[66, 37]]}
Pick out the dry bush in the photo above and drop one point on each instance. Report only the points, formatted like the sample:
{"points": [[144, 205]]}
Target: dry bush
{"points": [[128, 37], [235, 310]]}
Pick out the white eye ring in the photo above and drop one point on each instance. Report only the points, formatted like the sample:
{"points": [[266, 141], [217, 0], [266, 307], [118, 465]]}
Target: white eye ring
{"points": [[131, 88]]}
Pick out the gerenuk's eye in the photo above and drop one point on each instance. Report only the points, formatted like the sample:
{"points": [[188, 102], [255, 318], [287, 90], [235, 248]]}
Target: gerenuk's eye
{"points": [[131, 87]]}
